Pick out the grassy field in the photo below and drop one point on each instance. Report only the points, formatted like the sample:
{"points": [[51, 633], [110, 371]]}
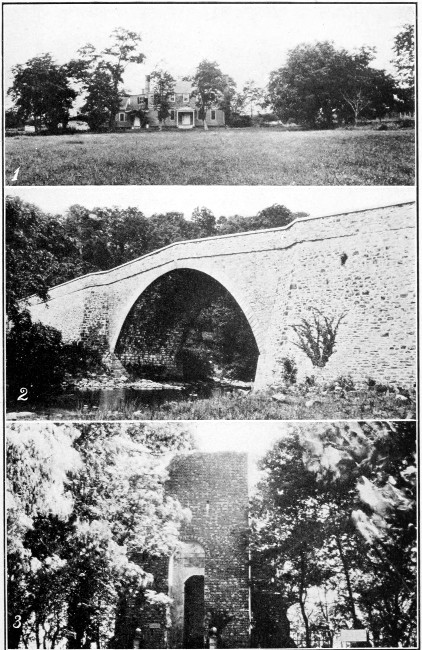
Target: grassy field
{"points": [[254, 406], [219, 157]]}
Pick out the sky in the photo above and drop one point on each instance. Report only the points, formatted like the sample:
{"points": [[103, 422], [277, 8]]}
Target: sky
{"points": [[248, 41], [255, 437], [221, 200]]}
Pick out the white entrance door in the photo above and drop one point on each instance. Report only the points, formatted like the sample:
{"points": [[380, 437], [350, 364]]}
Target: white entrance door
{"points": [[137, 123], [186, 119]]}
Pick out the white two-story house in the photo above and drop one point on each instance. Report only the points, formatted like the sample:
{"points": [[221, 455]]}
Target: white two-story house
{"points": [[138, 110]]}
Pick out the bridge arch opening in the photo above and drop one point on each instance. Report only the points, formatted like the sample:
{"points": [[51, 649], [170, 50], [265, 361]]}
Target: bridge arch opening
{"points": [[187, 326]]}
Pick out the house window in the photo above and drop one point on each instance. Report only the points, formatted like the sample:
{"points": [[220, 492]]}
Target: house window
{"points": [[186, 98], [213, 115], [172, 98], [140, 100], [172, 115], [122, 117]]}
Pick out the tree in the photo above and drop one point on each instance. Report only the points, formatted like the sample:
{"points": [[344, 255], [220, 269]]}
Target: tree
{"points": [[42, 92], [38, 462], [404, 62], [101, 73], [204, 219], [102, 100], [252, 95], [364, 90], [38, 254], [275, 216], [163, 87], [84, 525], [319, 82], [209, 85], [349, 491]]}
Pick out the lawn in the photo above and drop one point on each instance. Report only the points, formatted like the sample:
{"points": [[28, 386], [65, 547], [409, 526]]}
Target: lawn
{"points": [[215, 157]]}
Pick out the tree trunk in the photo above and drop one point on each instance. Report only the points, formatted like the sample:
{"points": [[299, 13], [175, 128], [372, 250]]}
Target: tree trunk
{"points": [[302, 603], [355, 619]]}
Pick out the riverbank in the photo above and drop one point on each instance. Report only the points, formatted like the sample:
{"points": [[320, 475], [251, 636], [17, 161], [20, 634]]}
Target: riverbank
{"points": [[239, 404]]}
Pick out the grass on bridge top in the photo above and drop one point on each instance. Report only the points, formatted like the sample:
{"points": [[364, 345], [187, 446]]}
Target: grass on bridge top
{"points": [[215, 157]]}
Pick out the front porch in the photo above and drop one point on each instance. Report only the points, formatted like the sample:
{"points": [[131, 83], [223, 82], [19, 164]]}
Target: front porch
{"points": [[185, 118]]}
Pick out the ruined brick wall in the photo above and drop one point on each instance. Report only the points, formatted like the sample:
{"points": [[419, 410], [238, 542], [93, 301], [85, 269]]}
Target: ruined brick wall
{"points": [[277, 276], [215, 488]]}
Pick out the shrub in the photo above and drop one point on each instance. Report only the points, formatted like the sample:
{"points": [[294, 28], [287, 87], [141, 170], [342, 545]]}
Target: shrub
{"points": [[344, 381], [38, 360], [406, 123], [289, 370], [317, 338], [239, 121]]}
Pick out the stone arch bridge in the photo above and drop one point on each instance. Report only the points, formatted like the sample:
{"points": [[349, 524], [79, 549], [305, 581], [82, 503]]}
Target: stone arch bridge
{"points": [[361, 264]]}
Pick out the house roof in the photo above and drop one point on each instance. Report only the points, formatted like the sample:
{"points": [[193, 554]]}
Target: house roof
{"points": [[180, 87], [183, 86]]}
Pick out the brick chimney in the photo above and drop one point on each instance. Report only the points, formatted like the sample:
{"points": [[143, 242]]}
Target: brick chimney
{"points": [[147, 83]]}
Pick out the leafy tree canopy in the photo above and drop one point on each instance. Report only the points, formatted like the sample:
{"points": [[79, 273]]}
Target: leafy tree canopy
{"points": [[336, 510], [41, 91], [87, 509], [101, 74], [163, 87], [319, 82], [210, 86]]}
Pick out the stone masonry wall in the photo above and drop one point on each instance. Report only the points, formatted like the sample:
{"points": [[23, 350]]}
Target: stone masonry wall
{"points": [[215, 488], [277, 276]]}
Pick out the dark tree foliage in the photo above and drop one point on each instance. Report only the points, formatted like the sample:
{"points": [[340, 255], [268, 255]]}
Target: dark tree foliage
{"points": [[320, 84], [101, 75], [41, 92], [39, 254], [274, 216], [211, 87], [337, 509], [163, 87]]}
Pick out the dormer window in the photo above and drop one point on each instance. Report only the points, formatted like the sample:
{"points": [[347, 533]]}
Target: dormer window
{"points": [[172, 98], [186, 98]]}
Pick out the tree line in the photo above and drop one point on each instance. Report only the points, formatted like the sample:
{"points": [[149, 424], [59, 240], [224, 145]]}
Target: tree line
{"points": [[318, 86]]}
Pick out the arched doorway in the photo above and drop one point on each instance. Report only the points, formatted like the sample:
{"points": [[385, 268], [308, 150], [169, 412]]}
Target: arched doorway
{"points": [[186, 588], [193, 629]]}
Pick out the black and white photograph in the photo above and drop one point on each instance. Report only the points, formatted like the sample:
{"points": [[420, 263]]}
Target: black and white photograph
{"points": [[212, 535], [210, 359], [173, 310], [209, 94]]}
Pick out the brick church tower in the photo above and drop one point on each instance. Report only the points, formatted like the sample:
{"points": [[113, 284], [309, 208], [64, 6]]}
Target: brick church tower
{"points": [[207, 577]]}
